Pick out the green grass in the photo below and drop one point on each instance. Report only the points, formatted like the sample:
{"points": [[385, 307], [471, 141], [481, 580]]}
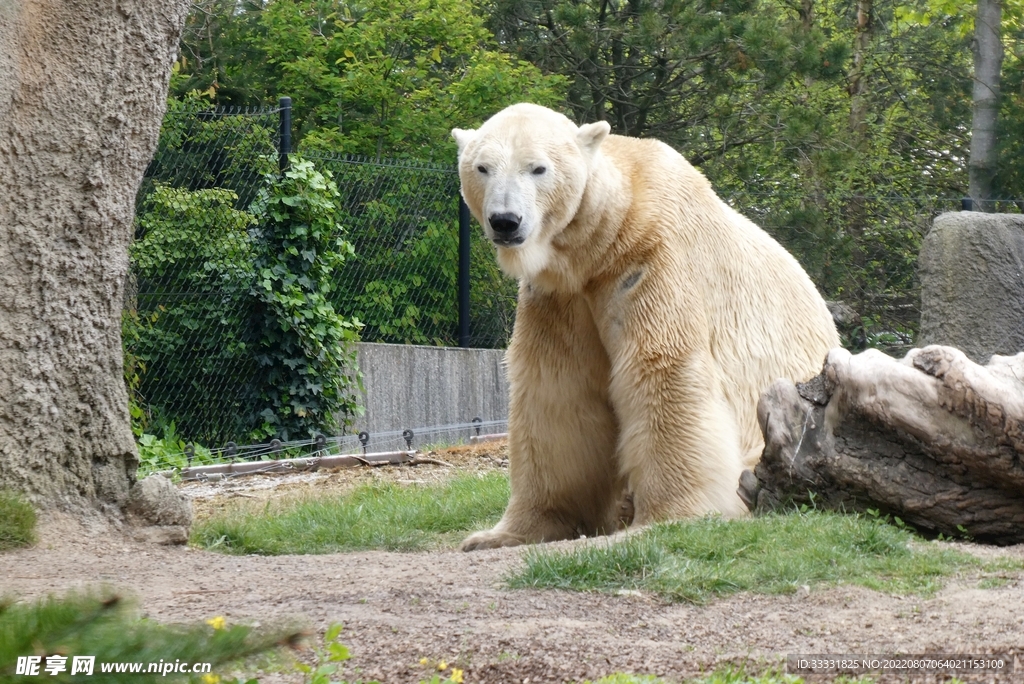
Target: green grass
{"points": [[17, 521], [698, 560], [378, 516]]}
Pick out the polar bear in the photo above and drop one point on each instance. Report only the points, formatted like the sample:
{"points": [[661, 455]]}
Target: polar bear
{"points": [[651, 316]]}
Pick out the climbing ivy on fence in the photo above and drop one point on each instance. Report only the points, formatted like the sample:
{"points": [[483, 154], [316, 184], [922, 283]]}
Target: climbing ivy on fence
{"points": [[229, 330], [306, 348]]}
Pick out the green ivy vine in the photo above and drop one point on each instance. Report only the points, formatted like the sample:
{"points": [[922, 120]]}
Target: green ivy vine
{"points": [[306, 348]]}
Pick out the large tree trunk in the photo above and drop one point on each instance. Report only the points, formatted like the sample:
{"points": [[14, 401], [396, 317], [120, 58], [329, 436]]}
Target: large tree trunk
{"points": [[988, 63], [859, 89], [858, 77], [934, 439], [83, 89]]}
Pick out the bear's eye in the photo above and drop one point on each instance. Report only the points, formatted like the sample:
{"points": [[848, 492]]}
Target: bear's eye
{"points": [[482, 169], [539, 171]]}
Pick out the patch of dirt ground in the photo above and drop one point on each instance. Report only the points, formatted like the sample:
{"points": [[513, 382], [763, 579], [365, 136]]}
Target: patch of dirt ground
{"points": [[400, 607], [209, 498]]}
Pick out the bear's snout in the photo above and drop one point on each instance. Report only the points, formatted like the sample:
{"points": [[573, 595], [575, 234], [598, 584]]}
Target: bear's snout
{"points": [[505, 226]]}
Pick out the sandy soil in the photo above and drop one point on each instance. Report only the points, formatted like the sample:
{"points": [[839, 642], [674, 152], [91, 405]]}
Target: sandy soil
{"points": [[398, 608]]}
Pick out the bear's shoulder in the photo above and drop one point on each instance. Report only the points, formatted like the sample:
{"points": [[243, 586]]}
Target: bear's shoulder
{"points": [[648, 162], [627, 151], [656, 179]]}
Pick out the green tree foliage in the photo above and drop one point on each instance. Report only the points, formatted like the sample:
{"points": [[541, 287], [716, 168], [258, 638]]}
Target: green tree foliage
{"points": [[377, 78], [1009, 179], [833, 124], [684, 71], [307, 349], [221, 53], [192, 263], [393, 78], [847, 178]]}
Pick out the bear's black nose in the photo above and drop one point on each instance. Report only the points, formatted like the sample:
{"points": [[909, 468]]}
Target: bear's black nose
{"points": [[505, 223]]}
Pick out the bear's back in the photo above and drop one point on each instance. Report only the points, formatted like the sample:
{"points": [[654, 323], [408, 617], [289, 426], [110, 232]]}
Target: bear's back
{"points": [[765, 317]]}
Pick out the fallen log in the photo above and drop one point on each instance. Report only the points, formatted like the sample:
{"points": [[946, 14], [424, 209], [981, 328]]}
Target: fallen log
{"points": [[934, 439]]}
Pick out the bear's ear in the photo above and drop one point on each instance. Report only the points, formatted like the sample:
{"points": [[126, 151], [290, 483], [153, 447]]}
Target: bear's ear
{"points": [[462, 137], [590, 136]]}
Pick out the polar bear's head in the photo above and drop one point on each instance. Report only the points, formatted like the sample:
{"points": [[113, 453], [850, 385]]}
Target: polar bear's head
{"points": [[523, 176]]}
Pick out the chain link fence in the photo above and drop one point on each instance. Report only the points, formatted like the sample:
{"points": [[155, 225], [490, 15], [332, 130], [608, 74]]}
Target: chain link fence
{"points": [[402, 284], [189, 331], [861, 251], [188, 326]]}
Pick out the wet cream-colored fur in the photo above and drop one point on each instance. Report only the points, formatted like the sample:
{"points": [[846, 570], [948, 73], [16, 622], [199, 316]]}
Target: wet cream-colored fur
{"points": [[651, 316]]}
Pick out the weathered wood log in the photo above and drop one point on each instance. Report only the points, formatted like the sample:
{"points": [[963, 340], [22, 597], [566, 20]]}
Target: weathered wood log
{"points": [[934, 439]]}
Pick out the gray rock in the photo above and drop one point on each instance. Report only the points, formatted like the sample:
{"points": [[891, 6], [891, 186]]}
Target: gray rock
{"points": [[972, 284], [843, 314], [167, 535], [156, 501], [848, 323]]}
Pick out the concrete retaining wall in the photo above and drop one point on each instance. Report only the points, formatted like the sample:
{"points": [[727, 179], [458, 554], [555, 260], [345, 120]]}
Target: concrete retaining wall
{"points": [[408, 386]]}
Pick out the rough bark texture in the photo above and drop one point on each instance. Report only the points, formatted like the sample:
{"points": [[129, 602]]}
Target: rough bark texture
{"points": [[988, 63], [972, 284], [934, 439], [83, 89], [159, 511]]}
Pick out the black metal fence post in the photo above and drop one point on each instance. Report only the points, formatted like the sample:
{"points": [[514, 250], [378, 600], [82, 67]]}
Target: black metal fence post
{"points": [[285, 105], [464, 237]]}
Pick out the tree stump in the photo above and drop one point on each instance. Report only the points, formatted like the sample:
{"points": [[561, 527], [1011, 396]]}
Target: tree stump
{"points": [[934, 439]]}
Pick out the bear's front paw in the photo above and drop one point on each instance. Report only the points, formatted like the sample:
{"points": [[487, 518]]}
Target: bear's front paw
{"points": [[490, 539]]}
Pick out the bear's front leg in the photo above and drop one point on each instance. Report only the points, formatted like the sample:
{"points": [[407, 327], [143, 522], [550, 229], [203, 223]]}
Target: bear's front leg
{"points": [[562, 432], [679, 442]]}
